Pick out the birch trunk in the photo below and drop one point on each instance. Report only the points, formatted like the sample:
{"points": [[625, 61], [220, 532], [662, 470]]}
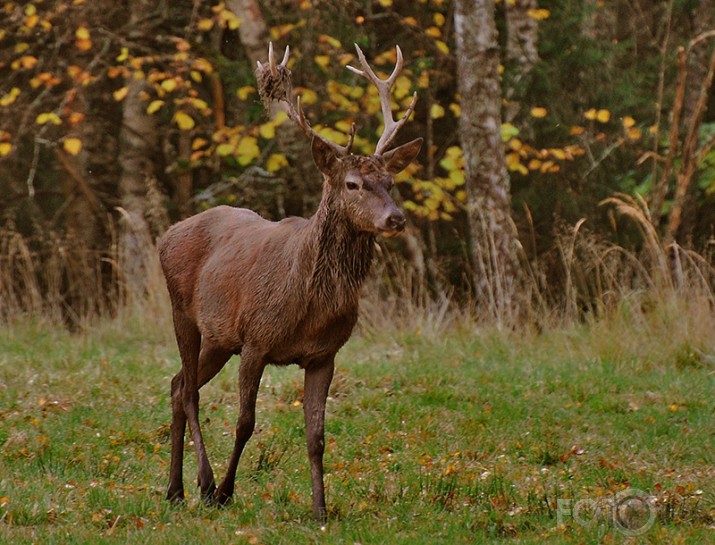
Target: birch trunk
{"points": [[138, 146], [522, 51], [495, 245]]}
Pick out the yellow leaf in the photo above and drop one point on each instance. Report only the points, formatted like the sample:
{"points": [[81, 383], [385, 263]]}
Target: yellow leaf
{"points": [[534, 164], [154, 106], [27, 62], [634, 133], [546, 166], [576, 130], [443, 47], [436, 111], [410, 21], [513, 163], [344, 125], [628, 122], [83, 44], [590, 114], [456, 109], [48, 117], [423, 80], [457, 177], [184, 120], [308, 96], [461, 196], [333, 135], [120, 93], [439, 19], [322, 60], [539, 112], [205, 24], [267, 130], [83, 40], [198, 143], [124, 55], [229, 19], [276, 162], [72, 145], [557, 153], [433, 32], [539, 14], [247, 150], [9, 97], [246, 91], [224, 150], [30, 9], [508, 131], [403, 86], [5, 149], [603, 116], [385, 3], [324, 38], [32, 20], [169, 85], [196, 76], [280, 118], [278, 32]]}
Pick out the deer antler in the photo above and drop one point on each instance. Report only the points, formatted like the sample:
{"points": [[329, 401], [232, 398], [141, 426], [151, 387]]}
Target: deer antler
{"points": [[274, 83], [384, 87]]}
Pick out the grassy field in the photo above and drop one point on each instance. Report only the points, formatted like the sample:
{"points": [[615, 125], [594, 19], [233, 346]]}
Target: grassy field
{"points": [[451, 434]]}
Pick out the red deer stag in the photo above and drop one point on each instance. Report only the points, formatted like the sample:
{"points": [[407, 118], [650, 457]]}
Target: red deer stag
{"points": [[278, 292]]}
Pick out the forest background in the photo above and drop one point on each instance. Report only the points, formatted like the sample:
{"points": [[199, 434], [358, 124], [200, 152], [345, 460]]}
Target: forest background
{"points": [[586, 127]]}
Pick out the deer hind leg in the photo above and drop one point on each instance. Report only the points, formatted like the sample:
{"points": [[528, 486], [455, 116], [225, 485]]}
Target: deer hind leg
{"points": [[249, 379], [188, 339], [317, 383], [210, 361]]}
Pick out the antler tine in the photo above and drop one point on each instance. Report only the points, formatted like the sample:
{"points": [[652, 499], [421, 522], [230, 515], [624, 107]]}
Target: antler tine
{"points": [[284, 62], [297, 115], [384, 86], [274, 84]]}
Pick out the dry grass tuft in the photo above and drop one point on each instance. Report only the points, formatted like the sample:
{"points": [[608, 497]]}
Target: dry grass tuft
{"points": [[663, 289]]}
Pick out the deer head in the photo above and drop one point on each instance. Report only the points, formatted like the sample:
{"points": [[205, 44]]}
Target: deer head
{"points": [[359, 185]]}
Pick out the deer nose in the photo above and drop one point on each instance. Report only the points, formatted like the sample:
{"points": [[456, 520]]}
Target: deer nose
{"points": [[396, 221]]}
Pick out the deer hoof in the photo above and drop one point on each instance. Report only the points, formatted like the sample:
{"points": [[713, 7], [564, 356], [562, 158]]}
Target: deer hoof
{"points": [[208, 494], [222, 497], [175, 496]]}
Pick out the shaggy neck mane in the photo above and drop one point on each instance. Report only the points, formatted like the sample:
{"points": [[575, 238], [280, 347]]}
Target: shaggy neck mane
{"points": [[341, 255]]}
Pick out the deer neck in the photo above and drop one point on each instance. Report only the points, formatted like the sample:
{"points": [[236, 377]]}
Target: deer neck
{"points": [[341, 254]]}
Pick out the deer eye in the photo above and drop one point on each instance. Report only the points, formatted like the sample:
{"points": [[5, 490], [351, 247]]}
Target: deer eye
{"points": [[352, 185]]}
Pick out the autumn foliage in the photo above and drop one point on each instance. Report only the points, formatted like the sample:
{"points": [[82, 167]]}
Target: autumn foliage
{"points": [[584, 118]]}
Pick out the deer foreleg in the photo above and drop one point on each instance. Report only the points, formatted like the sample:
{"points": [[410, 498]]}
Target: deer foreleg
{"points": [[317, 384]]}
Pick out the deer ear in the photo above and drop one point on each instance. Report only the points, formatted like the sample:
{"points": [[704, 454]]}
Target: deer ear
{"points": [[397, 159], [324, 156]]}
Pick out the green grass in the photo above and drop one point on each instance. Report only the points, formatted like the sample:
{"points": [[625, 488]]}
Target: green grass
{"points": [[461, 435]]}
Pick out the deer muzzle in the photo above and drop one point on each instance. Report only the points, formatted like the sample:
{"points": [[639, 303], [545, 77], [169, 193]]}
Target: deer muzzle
{"points": [[392, 224]]}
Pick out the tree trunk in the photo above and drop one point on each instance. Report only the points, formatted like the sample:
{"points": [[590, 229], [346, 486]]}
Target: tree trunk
{"points": [[495, 245], [138, 146], [703, 19], [522, 51]]}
